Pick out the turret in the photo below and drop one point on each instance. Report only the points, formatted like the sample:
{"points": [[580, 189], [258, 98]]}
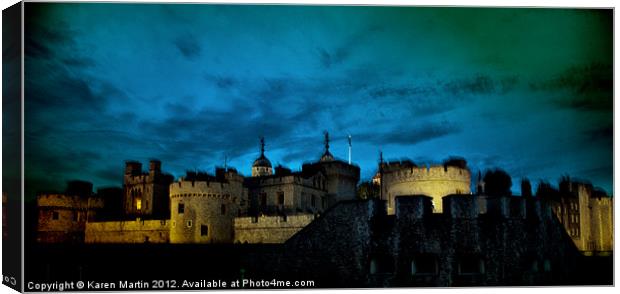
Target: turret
{"points": [[133, 168], [262, 165], [327, 156], [155, 166], [480, 184]]}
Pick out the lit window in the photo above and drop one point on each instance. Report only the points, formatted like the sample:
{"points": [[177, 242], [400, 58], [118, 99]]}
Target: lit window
{"points": [[138, 204]]}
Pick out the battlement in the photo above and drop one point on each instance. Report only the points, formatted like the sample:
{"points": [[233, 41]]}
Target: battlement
{"points": [[471, 207], [204, 189], [62, 201], [413, 206], [434, 172]]}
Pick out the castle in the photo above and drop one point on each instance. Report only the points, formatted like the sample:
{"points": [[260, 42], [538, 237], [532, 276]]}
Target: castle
{"points": [[274, 204], [268, 207]]}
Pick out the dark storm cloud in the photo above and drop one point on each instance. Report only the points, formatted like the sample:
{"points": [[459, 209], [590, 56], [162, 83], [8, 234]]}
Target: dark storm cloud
{"points": [[407, 135], [110, 174], [221, 82], [590, 87], [439, 96], [402, 91], [604, 134], [78, 61], [67, 91], [213, 130], [40, 42], [481, 84], [329, 58], [128, 88], [188, 46]]}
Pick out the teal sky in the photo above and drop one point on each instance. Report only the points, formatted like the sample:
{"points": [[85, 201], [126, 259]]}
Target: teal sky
{"points": [[526, 90]]}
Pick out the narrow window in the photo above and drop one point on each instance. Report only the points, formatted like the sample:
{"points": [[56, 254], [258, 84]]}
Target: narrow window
{"points": [[223, 209], [75, 216], [189, 223], [280, 198], [204, 230], [547, 265], [138, 204], [181, 208], [55, 215], [313, 200], [263, 199], [373, 266], [381, 264]]}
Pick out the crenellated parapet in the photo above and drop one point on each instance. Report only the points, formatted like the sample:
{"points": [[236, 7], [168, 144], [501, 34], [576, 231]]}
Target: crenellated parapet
{"points": [[436, 181]]}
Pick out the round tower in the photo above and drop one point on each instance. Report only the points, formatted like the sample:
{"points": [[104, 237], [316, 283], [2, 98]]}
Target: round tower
{"points": [[202, 209], [436, 181], [262, 165]]}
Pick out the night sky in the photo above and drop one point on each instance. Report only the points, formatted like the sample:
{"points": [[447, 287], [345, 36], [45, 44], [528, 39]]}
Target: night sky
{"points": [[526, 90]]}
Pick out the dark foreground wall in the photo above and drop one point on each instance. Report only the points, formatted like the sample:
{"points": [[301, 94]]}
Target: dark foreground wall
{"points": [[355, 244], [474, 242]]}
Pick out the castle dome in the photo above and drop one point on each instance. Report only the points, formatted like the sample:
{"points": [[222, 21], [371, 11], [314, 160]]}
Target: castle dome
{"points": [[262, 161], [262, 165]]}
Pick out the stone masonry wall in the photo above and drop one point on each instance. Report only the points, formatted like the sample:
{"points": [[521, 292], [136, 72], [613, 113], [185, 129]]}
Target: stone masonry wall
{"points": [[269, 229], [358, 243], [203, 212], [138, 231], [61, 218]]}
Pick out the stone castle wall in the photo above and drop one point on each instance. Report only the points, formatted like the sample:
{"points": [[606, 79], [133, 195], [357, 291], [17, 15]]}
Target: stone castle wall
{"points": [[463, 246], [587, 219], [296, 191], [203, 212], [435, 181], [138, 231], [61, 218], [269, 229], [602, 224], [342, 180]]}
